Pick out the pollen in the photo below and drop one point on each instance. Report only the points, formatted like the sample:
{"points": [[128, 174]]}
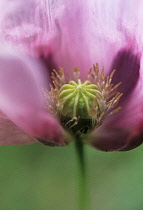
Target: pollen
{"points": [[81, 106]]}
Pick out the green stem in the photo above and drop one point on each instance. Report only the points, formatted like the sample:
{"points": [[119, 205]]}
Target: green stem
{"points": [[81, 176]]}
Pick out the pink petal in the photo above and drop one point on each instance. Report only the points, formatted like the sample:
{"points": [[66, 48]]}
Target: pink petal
{"points": [[95, 31], [124, 130], [28, 22], [11, 134], [120, 133], [74, 33], [109, 139], [22, 84], [18, 19]]}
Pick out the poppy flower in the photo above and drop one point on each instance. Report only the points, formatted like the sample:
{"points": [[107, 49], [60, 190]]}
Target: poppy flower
{"points": [[38, 104]]}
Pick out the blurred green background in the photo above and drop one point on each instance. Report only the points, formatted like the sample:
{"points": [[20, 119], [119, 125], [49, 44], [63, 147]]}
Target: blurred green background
{"points": [[36, 177]]}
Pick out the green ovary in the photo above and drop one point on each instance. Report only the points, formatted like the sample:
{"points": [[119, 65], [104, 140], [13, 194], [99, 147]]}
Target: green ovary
{"points": [[75, 103]]}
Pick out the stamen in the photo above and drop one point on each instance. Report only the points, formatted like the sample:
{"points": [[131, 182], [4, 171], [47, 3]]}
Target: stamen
{"points": [[83, 106]]}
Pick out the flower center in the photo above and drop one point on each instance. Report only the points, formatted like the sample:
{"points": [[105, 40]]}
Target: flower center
{"points": [[75, 103], [82, 106]]}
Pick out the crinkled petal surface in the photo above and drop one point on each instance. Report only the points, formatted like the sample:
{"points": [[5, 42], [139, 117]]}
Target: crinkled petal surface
{"points": [[75, 33], [90, 32], [22, 84]]}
